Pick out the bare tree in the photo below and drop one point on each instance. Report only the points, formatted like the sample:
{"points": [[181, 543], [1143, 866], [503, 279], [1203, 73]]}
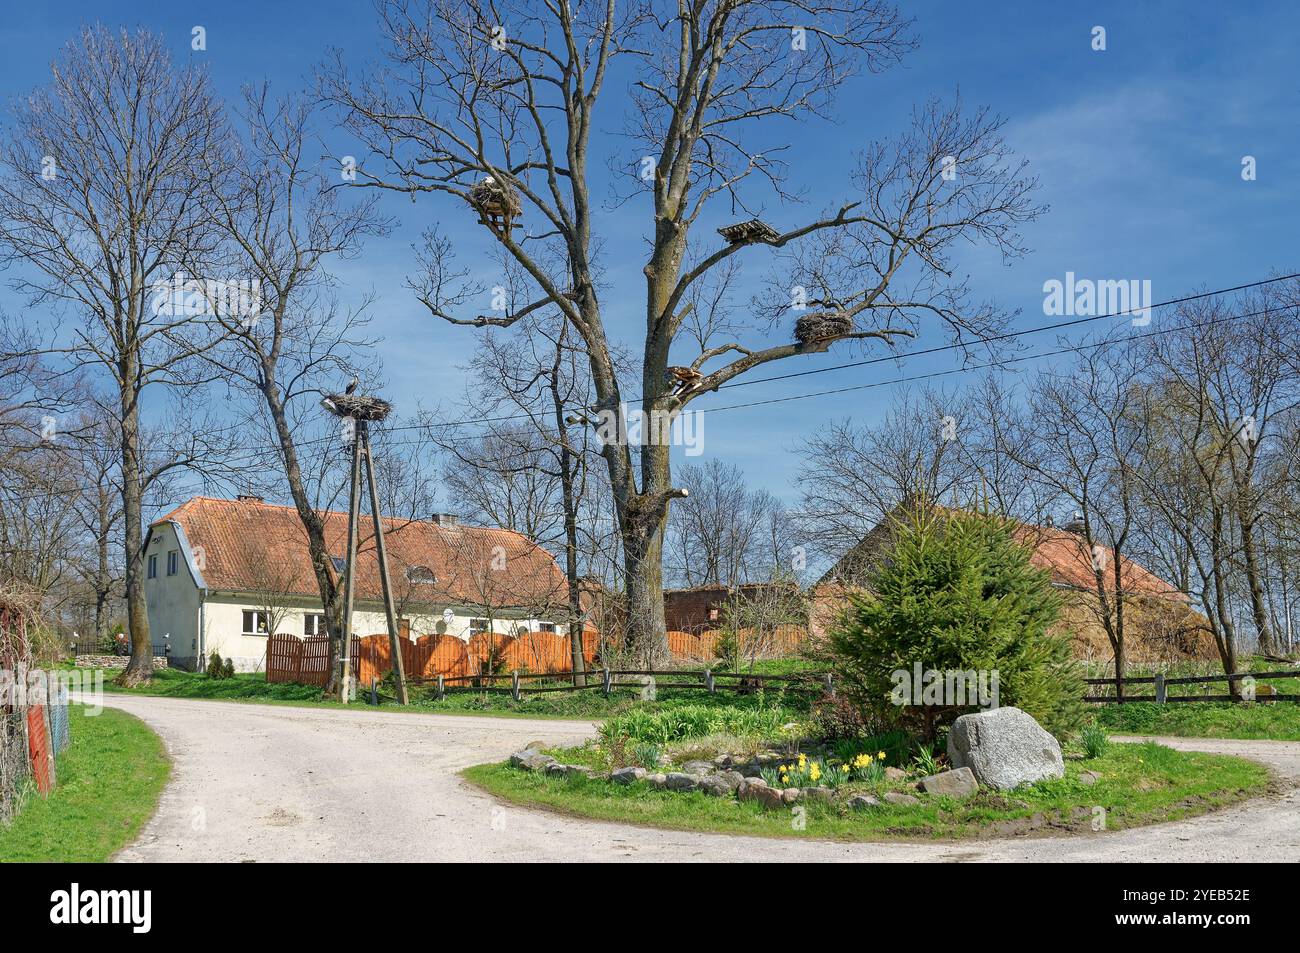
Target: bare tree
{"points": [[853, 475], [725, 533], [280, 225], [531, 470], [105, 169], [1080, 439], [495, 111]]}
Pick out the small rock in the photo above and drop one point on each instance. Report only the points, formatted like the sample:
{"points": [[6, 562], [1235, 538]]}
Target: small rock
{"points": [[751, 770], [658, 780], [957, 783], [698, 768], [861, 802], [894, 774], [535, 745], [531, 760], [825, 795], [1089, 777], [722, 761], [627, 775], [722, 784], [901, 800], [678, 781], [755, 789], [790, 795]]}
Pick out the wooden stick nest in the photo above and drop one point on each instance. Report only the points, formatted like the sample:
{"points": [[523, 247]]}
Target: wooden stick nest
{"points": [[357, 406], [495, 199], [751, 231], [821, 325]]}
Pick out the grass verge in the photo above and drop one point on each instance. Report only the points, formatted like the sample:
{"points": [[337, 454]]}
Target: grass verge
{"points": [[109, 781], [1138, 784], [589, 704], [1279, 721]]}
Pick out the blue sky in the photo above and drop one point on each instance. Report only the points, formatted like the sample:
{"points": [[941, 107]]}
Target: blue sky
{"points": [[1138, 150]]}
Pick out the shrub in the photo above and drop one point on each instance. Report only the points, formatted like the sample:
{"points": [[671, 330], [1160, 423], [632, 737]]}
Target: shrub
{"points": [[955, 592], [228, 668], [216, 668]]}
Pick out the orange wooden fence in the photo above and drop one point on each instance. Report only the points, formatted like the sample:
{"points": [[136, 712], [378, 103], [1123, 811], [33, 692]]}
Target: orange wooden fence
{"points": [[291, 659], [703, 647]]}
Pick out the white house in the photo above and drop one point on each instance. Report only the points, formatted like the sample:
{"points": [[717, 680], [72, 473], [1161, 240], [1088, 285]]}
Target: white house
{"points": [[221, 574]]}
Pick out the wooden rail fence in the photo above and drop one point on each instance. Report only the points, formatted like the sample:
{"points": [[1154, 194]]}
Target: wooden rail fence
{"points": [[1160, 688]]}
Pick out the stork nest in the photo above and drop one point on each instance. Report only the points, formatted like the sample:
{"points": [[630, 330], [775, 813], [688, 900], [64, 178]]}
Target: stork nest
{"points": [[357, 406], [821, 325], [492, 197], [753, 230]]}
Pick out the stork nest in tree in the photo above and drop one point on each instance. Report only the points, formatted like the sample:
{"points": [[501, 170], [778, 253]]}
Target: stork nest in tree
{"points": [[751, 231], [495, 198], [357, 406], [821, 325]]}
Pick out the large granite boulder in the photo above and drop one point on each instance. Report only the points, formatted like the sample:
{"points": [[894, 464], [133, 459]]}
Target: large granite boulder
{"points": [[1004, 748]]}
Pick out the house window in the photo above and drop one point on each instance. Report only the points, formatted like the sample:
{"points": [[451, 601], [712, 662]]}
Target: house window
{"points": [[477, 625], [420, 574], [546, 627], [312, 624], [171, 563], [153, 567], [255, 622]]}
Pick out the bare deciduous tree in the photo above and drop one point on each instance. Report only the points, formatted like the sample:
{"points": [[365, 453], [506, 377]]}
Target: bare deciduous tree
{"points": [[496, 111], [105, 170]]}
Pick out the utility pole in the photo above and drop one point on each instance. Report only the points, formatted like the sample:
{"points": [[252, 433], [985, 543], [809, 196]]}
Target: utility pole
{"points": [[361, 410], [381, 551]]}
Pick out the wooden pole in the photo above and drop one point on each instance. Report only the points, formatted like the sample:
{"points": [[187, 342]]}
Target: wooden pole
{"points": [[381, 551], [349, 573]]}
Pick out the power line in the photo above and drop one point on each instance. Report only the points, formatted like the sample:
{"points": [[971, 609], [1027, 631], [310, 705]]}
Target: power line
{"points": [[1076, 349], [251, 453]]}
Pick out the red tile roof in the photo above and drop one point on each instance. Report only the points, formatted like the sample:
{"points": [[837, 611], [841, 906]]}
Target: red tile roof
{"points": [[1068, 558], [1065, 555], [253, 546]]}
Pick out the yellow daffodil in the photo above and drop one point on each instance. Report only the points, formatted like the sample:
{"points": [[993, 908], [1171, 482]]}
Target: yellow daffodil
{"points": [[880, 755]]}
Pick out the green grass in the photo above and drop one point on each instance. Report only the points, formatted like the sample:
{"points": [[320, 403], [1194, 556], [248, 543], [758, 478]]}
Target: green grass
{"points": [[1138, 784], [109, 781], [587, 704], [1277, 720]]}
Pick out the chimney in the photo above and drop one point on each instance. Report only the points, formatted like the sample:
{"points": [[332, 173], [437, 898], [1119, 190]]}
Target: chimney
{"points": [[249, 498], [1076, 523], [444, 519]]}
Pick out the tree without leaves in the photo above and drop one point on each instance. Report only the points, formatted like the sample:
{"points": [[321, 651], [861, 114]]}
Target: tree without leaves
{"points": [[460, 100], [280, 225], [105, 168], [724, 533]]}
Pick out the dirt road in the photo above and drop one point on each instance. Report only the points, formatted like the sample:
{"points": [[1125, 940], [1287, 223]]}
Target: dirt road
{"points": [[276, 783]]}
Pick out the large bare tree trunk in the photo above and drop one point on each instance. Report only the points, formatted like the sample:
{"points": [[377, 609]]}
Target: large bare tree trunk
{"points": [[140, 667]]}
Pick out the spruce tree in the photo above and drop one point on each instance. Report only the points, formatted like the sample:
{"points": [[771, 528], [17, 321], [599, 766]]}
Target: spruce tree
{"points": [[955, 592]]}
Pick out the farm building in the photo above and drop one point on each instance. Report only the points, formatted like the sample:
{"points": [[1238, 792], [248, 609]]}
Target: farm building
{"points": [[220, 575], [1161, 625]]}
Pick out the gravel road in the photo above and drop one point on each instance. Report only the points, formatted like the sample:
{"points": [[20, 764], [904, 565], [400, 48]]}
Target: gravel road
{"points": [[276, 783]]}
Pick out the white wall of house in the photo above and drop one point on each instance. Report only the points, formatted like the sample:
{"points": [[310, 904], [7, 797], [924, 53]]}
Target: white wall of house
{"points": [[180, 609]]}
